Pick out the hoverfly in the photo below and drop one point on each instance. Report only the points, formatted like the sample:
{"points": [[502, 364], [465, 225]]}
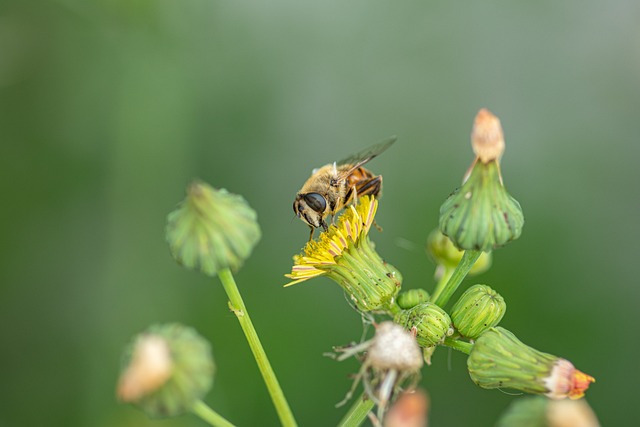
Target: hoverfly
{"points": [[331, 187]]}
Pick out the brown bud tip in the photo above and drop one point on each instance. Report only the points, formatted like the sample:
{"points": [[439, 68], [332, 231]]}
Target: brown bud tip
{"points": [[410, 410], [487, 139]]}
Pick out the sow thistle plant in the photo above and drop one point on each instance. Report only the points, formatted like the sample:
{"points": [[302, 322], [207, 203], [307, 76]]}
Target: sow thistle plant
{"points": [[168, 369]]}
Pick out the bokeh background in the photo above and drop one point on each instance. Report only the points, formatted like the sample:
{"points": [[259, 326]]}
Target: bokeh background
{"points": [[108, 109]]}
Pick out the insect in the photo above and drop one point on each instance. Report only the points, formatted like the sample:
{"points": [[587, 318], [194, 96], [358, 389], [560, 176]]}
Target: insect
{"points": [[333, 186]]}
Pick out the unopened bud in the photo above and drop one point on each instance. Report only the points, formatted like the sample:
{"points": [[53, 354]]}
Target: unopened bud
{"points": [[412, 297], [212, 230], [166, 370], [481, 215], [410, 410], [478, 309], [499, 360], [540, 411], [427, 321]]}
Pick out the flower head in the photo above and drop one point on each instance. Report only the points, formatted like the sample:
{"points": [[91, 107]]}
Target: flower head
{"points": [[166, 369], [212, 230], [499, 360], [481, 214], [478, 309], [428, 322], [540, 411], [412, 297], [345, 254]]}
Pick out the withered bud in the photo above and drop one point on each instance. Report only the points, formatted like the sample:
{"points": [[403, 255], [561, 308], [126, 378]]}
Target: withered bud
{"points": [[487, 139]]}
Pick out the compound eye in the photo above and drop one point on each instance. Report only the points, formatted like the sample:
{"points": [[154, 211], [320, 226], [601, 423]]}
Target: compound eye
{"points": [[316, 202]]}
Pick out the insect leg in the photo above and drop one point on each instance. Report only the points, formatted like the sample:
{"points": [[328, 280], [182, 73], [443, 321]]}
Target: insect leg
{"points": [[371, 186]]}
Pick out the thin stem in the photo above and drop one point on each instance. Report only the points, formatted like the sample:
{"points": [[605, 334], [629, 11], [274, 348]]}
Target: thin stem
{"points": [[237, 306], [466, 262], [357, 413], [459, 345], [203, 410], [444, 278]]}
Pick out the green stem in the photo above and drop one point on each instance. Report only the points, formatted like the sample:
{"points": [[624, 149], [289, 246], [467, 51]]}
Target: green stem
{"points": [[203, 410], [237, 306], [459, 345], [443, 294], [446, 275], [357, 413]]}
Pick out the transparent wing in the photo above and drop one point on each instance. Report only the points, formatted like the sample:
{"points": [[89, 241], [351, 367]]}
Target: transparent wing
{"points": [[366, 155]]}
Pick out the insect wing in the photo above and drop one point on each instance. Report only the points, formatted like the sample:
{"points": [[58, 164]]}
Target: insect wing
{"points": [[366, 155]]}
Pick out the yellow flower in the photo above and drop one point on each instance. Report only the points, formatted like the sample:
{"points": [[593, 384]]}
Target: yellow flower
{"points": [[345, 254]]}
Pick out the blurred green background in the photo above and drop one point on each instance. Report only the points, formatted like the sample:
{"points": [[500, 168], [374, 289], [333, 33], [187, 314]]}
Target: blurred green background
{"points": [[109, 108]]}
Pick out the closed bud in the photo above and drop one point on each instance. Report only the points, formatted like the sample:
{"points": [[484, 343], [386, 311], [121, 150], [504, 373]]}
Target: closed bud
{"points": [[410, 410], [445, 254], [212, 230], [482, 215], [427, 321], [412, 297], [539, 411], [499, 360], [166, 370], [478, 309]]}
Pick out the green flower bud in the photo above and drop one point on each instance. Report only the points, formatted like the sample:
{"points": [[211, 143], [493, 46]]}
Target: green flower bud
{"points": [[430, 323], [212, 230], [526, 412], [165, 370], [444, 253], [482, 215], [478, 309], [412, 297], [499, 360], [538, 411]]}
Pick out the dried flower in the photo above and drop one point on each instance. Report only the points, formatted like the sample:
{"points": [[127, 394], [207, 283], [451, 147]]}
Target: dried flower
{"points": [[393, 359]]}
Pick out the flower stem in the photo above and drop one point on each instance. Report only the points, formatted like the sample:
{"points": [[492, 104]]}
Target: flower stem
{"points": [[459, 345], [443, 293], [357, 413], [237, 306], [203, 410]]}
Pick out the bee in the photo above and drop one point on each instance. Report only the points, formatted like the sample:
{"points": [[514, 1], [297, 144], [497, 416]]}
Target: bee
{"points": [[333, 186]]}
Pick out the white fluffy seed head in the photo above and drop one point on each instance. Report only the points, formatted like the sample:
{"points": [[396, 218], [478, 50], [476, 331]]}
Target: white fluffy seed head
{"points": [[394, 348]]}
